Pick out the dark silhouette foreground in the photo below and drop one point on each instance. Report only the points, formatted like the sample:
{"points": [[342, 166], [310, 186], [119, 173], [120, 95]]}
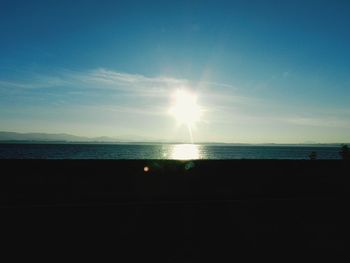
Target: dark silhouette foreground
{"points": [[182, 211], [345, 152]]}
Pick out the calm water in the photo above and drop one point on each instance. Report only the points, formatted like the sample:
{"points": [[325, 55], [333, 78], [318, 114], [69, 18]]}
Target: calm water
{"points": [[160, 151]]}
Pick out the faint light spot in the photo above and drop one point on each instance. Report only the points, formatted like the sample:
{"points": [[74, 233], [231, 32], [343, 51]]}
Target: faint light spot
{"points": [[146, 169], [189, 165]]}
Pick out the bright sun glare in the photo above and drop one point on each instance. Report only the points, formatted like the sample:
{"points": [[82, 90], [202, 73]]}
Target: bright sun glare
{"points": [[185, 108], [185, 152]]}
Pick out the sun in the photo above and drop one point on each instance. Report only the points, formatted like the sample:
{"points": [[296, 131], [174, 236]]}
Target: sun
{"points": [[185, 108]]}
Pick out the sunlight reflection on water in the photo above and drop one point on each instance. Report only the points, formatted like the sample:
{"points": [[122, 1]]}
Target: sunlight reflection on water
{"points": [[185, 152]]}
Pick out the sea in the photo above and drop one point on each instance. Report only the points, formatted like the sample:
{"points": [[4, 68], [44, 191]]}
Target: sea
{"points": [[162, 151]]}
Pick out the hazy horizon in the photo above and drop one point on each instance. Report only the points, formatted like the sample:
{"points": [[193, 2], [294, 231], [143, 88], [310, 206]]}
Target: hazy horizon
{"points": [[194, 71], [74, 138]]}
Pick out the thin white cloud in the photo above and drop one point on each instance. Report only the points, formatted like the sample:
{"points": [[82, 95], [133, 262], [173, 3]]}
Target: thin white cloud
{"points": [[217, 84], [319, 122], [36, 82], [128, 83], [124, 109], [106, 79], [148, 95], [5, 85], [123, 83]]}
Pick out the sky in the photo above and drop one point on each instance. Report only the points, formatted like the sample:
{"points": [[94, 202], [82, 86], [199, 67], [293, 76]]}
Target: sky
{"points": [[263, 71]]}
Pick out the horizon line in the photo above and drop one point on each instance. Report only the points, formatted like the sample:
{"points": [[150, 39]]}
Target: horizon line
{"points": [[115, 140]]}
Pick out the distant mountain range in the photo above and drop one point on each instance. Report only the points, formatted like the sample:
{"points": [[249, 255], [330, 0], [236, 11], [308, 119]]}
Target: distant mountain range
{"points": [[15, 137], [60, 137]]}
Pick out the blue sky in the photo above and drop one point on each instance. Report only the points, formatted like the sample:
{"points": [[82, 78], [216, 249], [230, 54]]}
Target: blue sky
{"points": [[264, 71]]}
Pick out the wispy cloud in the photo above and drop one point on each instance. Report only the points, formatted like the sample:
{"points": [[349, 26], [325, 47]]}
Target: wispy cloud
{"points": [[112, 91], [85, 82], [35, 82], [98, 79], [319, 122], [99, 90], [130, 83]]}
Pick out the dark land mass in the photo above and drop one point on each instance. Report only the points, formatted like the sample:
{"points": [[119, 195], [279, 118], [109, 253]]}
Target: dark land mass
{"points": [[182, 211]]}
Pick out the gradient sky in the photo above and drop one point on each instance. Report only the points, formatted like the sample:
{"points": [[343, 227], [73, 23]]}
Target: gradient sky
{"points": [[264, 71]]}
